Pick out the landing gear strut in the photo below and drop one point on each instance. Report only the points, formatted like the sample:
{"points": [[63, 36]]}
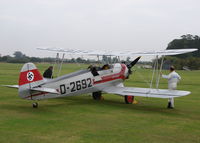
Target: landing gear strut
{"points": [[97, 95], [35, 105], [129, 99]]}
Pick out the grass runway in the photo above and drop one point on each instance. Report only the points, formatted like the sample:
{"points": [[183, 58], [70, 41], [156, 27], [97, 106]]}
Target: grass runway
{"points": [[80, 119]]}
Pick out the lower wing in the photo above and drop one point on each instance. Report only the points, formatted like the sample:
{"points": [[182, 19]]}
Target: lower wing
{"points": [[145, 92]]}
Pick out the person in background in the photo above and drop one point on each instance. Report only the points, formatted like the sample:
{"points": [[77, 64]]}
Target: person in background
{"points": [[106, 67], [93, 70], [173, 79], [48, 72]]}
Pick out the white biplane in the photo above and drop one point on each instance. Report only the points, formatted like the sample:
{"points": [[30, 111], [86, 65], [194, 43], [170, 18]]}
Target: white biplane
{"points": [[107, 79]]}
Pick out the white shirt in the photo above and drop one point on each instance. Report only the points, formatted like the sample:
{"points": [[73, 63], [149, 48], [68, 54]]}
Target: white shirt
{"points": [[173, 79]]}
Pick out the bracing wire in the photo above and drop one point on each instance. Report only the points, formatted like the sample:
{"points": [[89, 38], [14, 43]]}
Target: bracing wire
{"points": [[75, 61], [142, 77]]}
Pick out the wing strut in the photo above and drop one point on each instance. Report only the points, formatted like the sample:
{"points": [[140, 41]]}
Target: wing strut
{"points": [[61, 63], [154, 69], [156, 72], [158, 79], [56, 62]]}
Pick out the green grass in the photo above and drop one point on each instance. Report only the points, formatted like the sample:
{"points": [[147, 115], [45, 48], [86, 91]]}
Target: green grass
{"points": [[81, 119]]}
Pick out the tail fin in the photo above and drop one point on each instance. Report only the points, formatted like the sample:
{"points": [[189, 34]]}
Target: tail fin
{"points": [[29, 77]]}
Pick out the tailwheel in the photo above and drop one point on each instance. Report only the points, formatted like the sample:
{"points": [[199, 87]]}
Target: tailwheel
{"points": [[97, 95], [129, 99], [35, 105]]}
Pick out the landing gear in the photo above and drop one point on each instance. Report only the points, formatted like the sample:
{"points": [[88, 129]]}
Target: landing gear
{"points": [[169, 106], [35, 105], [97, 95], [170, 103], [129, 99]]}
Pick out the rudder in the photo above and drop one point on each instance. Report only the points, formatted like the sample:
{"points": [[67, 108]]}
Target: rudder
{"points": [[29, 77]]}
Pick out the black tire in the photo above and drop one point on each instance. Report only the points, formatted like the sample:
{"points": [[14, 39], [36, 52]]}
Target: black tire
{"points": [[169, 106], [35, 105], [97, 95], [129, 99]]}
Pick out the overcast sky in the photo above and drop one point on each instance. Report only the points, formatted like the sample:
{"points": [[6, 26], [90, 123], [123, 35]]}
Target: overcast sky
{"points": [[139, 25]]}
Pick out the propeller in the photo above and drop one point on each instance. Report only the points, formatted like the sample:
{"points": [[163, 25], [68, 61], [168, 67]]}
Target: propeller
{"points": [[130, 65]]}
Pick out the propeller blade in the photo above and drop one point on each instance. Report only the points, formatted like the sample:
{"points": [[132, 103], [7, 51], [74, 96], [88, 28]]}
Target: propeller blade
{"points": [[133, 62]]}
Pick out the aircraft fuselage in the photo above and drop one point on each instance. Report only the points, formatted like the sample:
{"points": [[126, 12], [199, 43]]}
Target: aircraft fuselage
{"points": [[82, 82]]}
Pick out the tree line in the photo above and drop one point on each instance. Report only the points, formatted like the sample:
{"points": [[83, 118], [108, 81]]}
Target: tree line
{"points": [[19, 57], [189, 60]]}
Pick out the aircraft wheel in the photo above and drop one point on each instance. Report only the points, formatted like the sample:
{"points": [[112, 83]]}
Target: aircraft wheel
{"points": [[129, 99], [169, 106], [170, 103], [35, 105], [97, 95]]}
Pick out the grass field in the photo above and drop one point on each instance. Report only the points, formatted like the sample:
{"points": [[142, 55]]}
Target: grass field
{"points": [[81, 119]]}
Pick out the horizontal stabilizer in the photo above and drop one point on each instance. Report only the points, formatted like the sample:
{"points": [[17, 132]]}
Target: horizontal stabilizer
{"points": [[11, 86], [47, 90], [146, 92]]}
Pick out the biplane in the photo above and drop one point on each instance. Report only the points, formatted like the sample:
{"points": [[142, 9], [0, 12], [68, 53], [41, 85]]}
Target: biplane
{"points": [[108, 78]]}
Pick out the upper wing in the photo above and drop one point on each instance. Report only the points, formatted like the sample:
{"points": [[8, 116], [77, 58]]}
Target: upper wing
{"points": [[145, 92], [159, 53], [119, 53]]}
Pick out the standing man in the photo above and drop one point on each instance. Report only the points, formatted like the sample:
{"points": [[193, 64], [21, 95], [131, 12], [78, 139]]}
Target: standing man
{"points": [[173, 79], [48, 72]]}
